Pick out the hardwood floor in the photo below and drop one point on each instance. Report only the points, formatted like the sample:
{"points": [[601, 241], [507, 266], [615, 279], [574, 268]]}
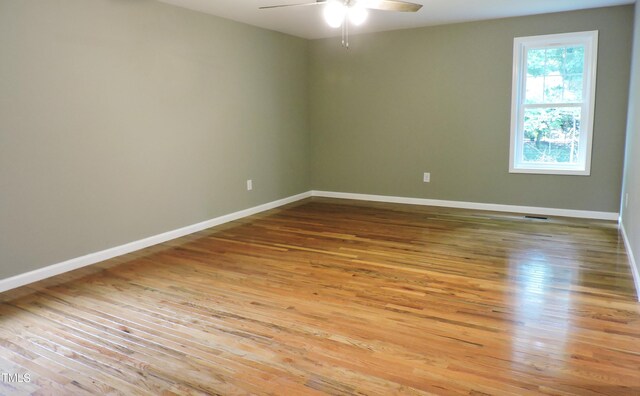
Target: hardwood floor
{"points": [[340, 297]]}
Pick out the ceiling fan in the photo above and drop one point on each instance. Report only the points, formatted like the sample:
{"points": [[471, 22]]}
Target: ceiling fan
{"points": [[337, 12]]}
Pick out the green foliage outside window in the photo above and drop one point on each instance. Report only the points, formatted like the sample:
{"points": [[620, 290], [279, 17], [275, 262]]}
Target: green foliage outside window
{"points": [[554, 78]]}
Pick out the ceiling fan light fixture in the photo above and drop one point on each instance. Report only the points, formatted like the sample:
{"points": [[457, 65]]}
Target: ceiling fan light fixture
{"points": [[339, 13], [335, 13], [357, 14]]}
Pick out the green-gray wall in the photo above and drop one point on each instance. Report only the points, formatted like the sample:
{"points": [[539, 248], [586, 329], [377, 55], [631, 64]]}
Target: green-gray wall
{"points": [[438, 100], [121, 120], [631, 209], [124, 119]]}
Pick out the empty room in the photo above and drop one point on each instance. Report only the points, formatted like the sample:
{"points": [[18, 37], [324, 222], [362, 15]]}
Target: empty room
{"points": [[332, 197]]}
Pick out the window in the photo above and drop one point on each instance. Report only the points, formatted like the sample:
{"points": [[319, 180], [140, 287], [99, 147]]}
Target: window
{"points": [[554, 83]]}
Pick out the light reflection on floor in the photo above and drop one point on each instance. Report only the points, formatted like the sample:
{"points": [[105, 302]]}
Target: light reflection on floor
{"points": [[541, 311]]}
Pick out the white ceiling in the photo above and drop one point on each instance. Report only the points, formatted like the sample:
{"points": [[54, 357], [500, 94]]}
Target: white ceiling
{"points": [[307, 22]]}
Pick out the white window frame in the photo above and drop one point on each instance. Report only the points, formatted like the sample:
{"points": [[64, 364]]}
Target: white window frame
{"points": [[520, 47]]}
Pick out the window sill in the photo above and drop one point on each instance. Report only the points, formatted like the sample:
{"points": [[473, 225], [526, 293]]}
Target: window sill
{"points": [[547, 171]]}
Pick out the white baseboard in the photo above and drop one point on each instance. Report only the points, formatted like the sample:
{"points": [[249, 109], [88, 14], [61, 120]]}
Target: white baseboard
{"points": [[93, 258], [587, 214], [632, 260]]}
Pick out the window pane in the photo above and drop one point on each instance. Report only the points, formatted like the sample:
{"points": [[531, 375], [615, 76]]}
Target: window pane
{"points": [[535, 62], [554, 75], [574, 60], [553, 61], [551, 135], [573, 88], [553, 89], [535, 76], [535, 89]]}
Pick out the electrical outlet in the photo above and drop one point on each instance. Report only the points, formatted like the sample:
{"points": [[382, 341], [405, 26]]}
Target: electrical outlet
{"points": [[426, 177], [249, 185]]}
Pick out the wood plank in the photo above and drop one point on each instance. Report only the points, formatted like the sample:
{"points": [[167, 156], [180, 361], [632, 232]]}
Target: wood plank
{"points": [[329, 296]]}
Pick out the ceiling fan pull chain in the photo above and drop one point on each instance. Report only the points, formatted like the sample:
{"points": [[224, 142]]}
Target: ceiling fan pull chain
{"points": [[345, 34], [346, 28]]}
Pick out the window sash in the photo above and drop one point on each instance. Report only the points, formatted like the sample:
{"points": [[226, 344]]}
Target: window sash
{"points": [[526, 48], [551, 104], [520, 141]]}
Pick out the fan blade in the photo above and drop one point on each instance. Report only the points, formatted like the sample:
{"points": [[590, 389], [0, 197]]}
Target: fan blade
{"points": [[294, 5], [393, 5]]}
